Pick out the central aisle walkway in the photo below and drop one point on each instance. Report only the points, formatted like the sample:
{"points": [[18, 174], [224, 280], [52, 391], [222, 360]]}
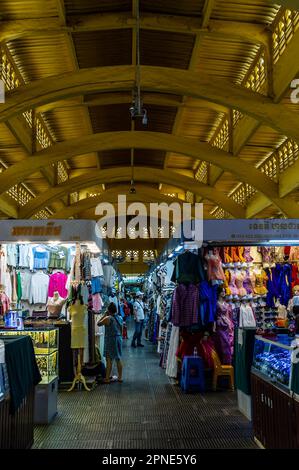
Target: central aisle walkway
{"points": [[145, 412]]}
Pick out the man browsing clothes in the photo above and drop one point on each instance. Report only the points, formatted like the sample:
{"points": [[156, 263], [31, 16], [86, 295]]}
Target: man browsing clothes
{"points": [[138, 311]]}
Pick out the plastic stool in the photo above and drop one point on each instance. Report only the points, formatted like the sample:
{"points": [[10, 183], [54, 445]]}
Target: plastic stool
{"points": [[193, 378]]}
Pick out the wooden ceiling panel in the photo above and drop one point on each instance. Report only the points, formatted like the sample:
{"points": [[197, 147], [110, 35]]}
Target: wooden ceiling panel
{"points": [[154, 158], [110, 118], [41, 56], [103, 48], [226, 183], [160, 119], [173, 7], [87, 162], [92, 6], [249, 11], [23, 9], [65, 124], [145, 157], [198, 123], [180, 161], [261, 145], [39, 185], [265, 136], [7, 138], [114, 158], [13, 156], [270, 213], [166, 49], [224, 58]]}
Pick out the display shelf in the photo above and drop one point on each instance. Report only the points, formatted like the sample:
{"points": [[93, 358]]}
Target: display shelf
{"points": [[45, 342], [273, 359], [48, 366]]}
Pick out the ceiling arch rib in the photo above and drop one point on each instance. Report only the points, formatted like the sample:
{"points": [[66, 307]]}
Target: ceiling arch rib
{"points": [[158, 79], [123, 174], [143, 194], [105, 99], [137, 139], [248, 32], [148, 140]]}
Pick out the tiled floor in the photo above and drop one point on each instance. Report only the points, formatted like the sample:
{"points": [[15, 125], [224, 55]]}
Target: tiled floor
{"points": [[146, 411]]}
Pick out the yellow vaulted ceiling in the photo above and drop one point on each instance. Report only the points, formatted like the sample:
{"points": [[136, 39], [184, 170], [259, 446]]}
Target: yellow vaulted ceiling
{"points": [[216, 83]]}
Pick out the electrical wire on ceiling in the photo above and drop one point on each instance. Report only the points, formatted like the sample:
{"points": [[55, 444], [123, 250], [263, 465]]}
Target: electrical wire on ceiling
{"points": [[137, 110]]}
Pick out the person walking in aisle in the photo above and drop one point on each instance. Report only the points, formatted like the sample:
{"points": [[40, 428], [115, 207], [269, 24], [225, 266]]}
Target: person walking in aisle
{"points": [[138, 309], [113, 341]]}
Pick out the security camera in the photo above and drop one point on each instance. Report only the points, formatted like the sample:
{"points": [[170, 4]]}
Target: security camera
{"points": [[132, 110], [132, 190]]}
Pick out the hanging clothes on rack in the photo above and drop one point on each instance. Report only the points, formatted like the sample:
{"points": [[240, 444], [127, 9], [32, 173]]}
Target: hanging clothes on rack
{"points": [[25, 279], [224, 337], [3, 264], [96, 267], [172, 363], [12, 254], [272, 287], [188, 268], [25, 256], [39, 288], [57, 283], [41, 257], [207, 303], [58, 258], [185, 305], [247, 317]]}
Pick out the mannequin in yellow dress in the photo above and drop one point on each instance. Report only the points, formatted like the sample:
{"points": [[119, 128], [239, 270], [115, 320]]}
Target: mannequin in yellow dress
{"points": [[78, 312]]}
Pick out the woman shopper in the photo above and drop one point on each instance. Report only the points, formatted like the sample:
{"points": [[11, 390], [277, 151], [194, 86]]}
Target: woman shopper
{"points": [[113, 341]]}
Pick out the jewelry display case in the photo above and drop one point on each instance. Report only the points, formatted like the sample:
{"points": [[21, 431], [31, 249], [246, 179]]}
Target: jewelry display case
{"points": [[45, 342], [273, 358]]}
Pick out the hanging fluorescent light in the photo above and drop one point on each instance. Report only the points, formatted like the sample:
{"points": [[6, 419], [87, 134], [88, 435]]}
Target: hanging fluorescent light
{"points": [[283, 242]]}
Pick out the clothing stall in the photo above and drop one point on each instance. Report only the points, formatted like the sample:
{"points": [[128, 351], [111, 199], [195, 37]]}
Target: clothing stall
{"points": [[48, 270], [225, 299]]}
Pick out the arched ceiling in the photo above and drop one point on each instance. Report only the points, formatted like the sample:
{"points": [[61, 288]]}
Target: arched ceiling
{"points": [[215, 81], [153, 79]]}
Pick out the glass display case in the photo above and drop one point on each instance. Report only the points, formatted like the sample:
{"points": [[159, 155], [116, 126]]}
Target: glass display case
{"points": [[273, 358], [45, 342]]}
